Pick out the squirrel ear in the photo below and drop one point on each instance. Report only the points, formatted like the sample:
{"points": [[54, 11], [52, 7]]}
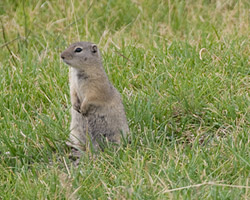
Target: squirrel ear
{"points": [[93, 48]]}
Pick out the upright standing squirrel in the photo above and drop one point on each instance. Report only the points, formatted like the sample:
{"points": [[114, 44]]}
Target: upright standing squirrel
{"points": [[97, 109]]}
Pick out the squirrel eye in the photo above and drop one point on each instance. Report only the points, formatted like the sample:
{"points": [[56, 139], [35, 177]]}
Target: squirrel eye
{"points": [[78, 50]]}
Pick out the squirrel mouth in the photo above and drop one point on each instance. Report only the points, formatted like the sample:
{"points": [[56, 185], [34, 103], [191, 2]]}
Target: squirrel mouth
{"points": [[66, 61]]}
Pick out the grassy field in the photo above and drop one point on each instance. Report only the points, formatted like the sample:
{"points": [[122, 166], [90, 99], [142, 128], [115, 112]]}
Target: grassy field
{"points": [[183, 69]]}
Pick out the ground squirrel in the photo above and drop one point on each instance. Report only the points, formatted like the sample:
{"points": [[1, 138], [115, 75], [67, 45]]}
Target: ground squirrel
{"points": [[97, 110]]}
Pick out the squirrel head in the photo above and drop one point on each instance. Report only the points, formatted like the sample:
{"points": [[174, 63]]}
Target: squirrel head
{"points": [[81, 55]]}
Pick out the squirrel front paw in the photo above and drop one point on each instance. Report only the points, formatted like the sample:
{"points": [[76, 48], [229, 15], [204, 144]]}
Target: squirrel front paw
{"points": [[84, 109], [76, 107]]}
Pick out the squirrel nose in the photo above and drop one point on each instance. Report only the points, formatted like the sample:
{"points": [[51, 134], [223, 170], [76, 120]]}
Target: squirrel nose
{"points": [[62, 56]]}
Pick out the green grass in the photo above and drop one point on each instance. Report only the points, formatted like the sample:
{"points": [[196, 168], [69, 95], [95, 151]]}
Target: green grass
{"points": [[188, 109]]}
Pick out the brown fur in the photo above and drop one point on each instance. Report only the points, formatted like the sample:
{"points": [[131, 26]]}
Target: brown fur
{"points": [[97, 109]]}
